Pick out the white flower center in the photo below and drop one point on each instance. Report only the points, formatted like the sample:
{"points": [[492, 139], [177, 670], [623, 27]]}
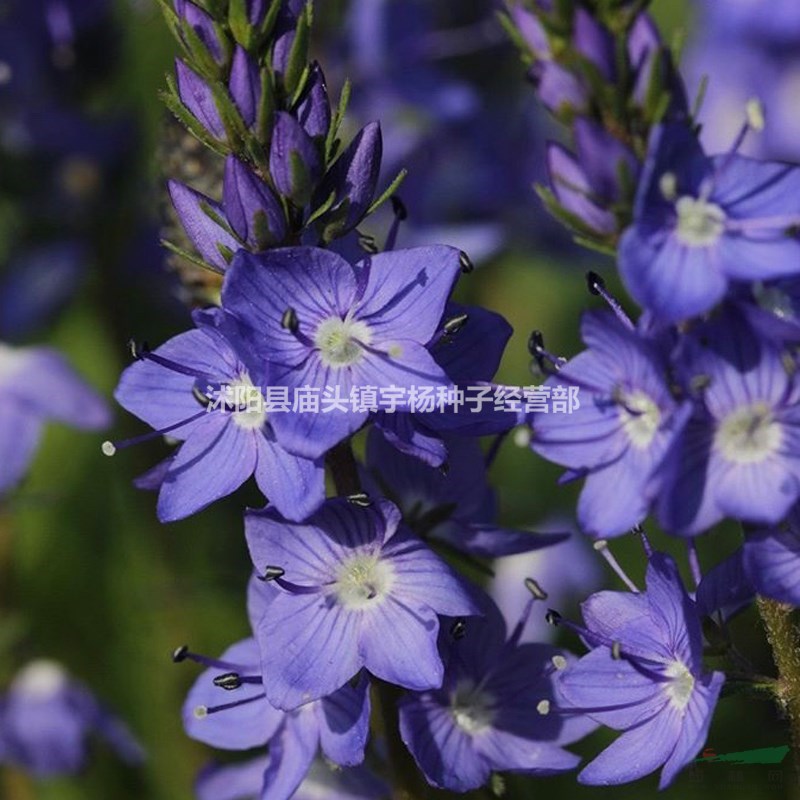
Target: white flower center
{"points": [[640, 418], [700, 223], [40, 679], [245, 395], [680, 686], [749, 434], [471, 707], [362, 581], [339, 341]]}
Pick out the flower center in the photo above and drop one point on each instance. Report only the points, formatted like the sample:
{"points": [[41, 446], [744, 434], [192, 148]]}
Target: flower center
{"points": [[362, 581], [681, 684], [245, 395], [749, 434], [40, 679], [640, 418], [700, 223], [472, 708], [339, 341]]}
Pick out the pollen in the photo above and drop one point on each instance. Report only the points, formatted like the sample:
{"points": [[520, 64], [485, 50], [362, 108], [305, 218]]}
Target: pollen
{"points": [[749, 434], [680, 686], [700, 223], [472, 708], [363, 581], [640, 418], [340, 341]]}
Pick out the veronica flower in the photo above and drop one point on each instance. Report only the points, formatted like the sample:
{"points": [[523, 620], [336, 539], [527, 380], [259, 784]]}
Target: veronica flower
{"points": [[314, 321], [36, 386], [738, 455], [227, 708], [702, 222], [244, 781], [47, 719], [771, 559], [644, 675], [619, 435], [360, 591], [455, 507], [197, 389], [496, 711]]}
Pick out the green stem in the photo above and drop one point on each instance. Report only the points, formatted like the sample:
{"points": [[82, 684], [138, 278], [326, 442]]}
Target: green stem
{"points": [[407, 783], [784, 639]]}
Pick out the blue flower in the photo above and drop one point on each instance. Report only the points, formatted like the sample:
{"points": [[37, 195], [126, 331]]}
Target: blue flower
{"points": [[47, 719], [312, 320], [644, 676], [619, 435], [497, 710], [37, 385], [702, 222], [360, 591], [771, 559], [175, 390]]}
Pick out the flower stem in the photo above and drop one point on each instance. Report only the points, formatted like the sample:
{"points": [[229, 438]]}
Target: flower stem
{"points": [[784, 639], [407, 783]]}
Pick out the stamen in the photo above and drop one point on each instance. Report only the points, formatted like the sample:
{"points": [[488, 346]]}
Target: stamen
{"points": [[466, 264], [110, 448], [543, 707], [367, 243], [616, 651], [201, 712], [400, 214], [183, 653], [694, 562], [143, 353], [455, 324], [289, 321], [597, 286], [180, 653], [229, 681], [601, 545], [648, 548], [533, 587], [458, 629], [271, 573], [559, 662], [360, 499], [668, 185], [537, 349]]}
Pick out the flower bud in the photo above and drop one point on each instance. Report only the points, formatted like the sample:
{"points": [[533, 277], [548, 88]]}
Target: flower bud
{"points": [[252, 209], [294, 160]]}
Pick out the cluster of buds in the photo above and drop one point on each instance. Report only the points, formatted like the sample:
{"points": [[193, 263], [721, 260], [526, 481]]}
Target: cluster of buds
{"points": [[245, 87], [606, 75]]}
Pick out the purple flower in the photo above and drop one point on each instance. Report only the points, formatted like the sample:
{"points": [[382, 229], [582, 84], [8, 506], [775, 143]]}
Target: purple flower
{"points": [[738, 455], [619, 435], [314, 110], [497, 710], [455, 508], [197, 388], [314, 321], [360, 591], [226, 708], [644, 675], [244, 781], [771, 559], [37, 385], [701, 222], [203, 27], [47, 719]]}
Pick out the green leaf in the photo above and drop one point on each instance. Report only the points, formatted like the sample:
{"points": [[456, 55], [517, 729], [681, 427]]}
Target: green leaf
{"points": [[330, 200], [331, 142], [298, 55], [191, 257], [388, 192], [239, 23]]}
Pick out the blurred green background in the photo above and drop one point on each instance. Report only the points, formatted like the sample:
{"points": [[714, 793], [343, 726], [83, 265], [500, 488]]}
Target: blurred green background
{"points": [[90, 578]]}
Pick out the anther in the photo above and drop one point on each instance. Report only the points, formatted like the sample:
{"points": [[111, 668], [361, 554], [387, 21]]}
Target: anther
{"points": [[399, 208], [367, 243], [755, 114], [229, 681], [543, 707], [180, 654], [137, 351], [616, 651], [289, 320], [455, 324], [597, 286], [200, 712], [552, 617], [533, 587], [466, 263], [559, 662], [360, 499], [668, 184], [458, 629], [108, 448], [272, 573], [601, 546]]}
